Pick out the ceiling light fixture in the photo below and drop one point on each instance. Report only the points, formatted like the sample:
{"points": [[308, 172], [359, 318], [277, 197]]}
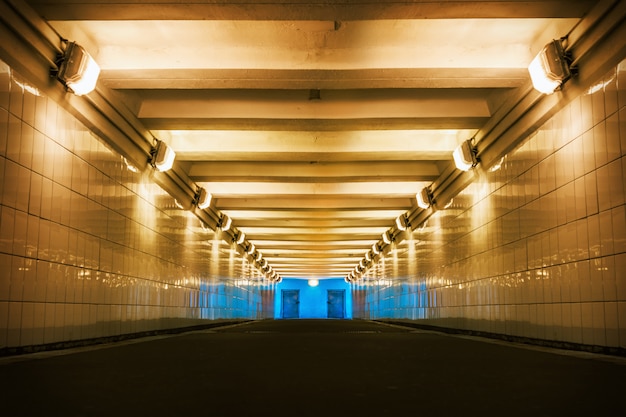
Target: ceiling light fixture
{"points": [[375, 249], [77, 70], [225, 222], [550, 68], [424, 198], [464, 155], [162, 156], [314, 283], [387, 237], [202, 198], [403, 222]]}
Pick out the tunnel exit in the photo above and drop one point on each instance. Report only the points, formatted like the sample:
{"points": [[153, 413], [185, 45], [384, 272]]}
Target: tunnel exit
{"points": [[307, 299]]}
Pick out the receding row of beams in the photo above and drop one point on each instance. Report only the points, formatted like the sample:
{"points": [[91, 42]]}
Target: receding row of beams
{"points": [[304, 10]]}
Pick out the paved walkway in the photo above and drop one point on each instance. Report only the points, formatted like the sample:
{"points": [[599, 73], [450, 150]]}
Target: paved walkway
{"points": [[312, 368]]}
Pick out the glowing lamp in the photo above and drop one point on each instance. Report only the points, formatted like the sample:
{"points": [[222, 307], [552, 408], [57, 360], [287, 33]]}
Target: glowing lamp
{"points": [[424, 198], [162, 157], [375, 249], [465, 156], [225, 223], [77, 70], [550, 68], [402, 222], [203, 198]]}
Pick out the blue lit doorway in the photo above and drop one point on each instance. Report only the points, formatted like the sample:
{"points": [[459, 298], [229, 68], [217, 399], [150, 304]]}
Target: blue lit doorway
{"points": [[336, 304], [291, 304]]}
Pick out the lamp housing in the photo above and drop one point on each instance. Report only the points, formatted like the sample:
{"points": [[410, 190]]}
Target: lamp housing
{"points": [[375, 249], [465, 156], [386, 237], [550, 68], [78, 71], [424, 198], [225, 222], [241, 237], [162, 156], [203, 198], [402, 222]]}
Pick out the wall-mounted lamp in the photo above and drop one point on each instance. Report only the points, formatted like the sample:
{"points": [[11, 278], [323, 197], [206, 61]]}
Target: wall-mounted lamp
{"points": [[424, 198], [362, 263], [368, 257], [464, 155], [387, 237], [202, 198], [550, 68], [313, 283], [375, 249], [162, 156], [77, 70], [402, 222], [224, 223], [240, 238], [259, 256]]}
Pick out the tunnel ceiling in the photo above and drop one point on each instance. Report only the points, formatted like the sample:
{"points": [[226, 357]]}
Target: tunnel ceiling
{"points": [[313, 125]]}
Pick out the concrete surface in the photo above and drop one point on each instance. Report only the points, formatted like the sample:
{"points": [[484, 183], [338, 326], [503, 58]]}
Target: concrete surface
{"points": [[312, 368]]}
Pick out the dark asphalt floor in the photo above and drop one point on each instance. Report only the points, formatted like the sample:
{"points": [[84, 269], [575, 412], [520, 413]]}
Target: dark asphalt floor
{"points": [[312, 368]]}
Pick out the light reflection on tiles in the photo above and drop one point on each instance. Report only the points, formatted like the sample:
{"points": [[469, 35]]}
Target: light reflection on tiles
{"points": [[91, 247], [536, 248]]}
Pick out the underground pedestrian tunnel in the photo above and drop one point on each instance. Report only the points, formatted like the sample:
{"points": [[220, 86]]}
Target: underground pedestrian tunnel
{"points": [[380, 191]]}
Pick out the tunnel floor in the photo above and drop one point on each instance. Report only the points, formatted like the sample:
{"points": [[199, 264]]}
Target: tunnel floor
{"points": [[312, 368]]}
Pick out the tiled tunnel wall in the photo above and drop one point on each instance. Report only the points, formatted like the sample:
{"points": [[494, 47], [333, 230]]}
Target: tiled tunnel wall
{"points": [[536, 248], [91, 248]]}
